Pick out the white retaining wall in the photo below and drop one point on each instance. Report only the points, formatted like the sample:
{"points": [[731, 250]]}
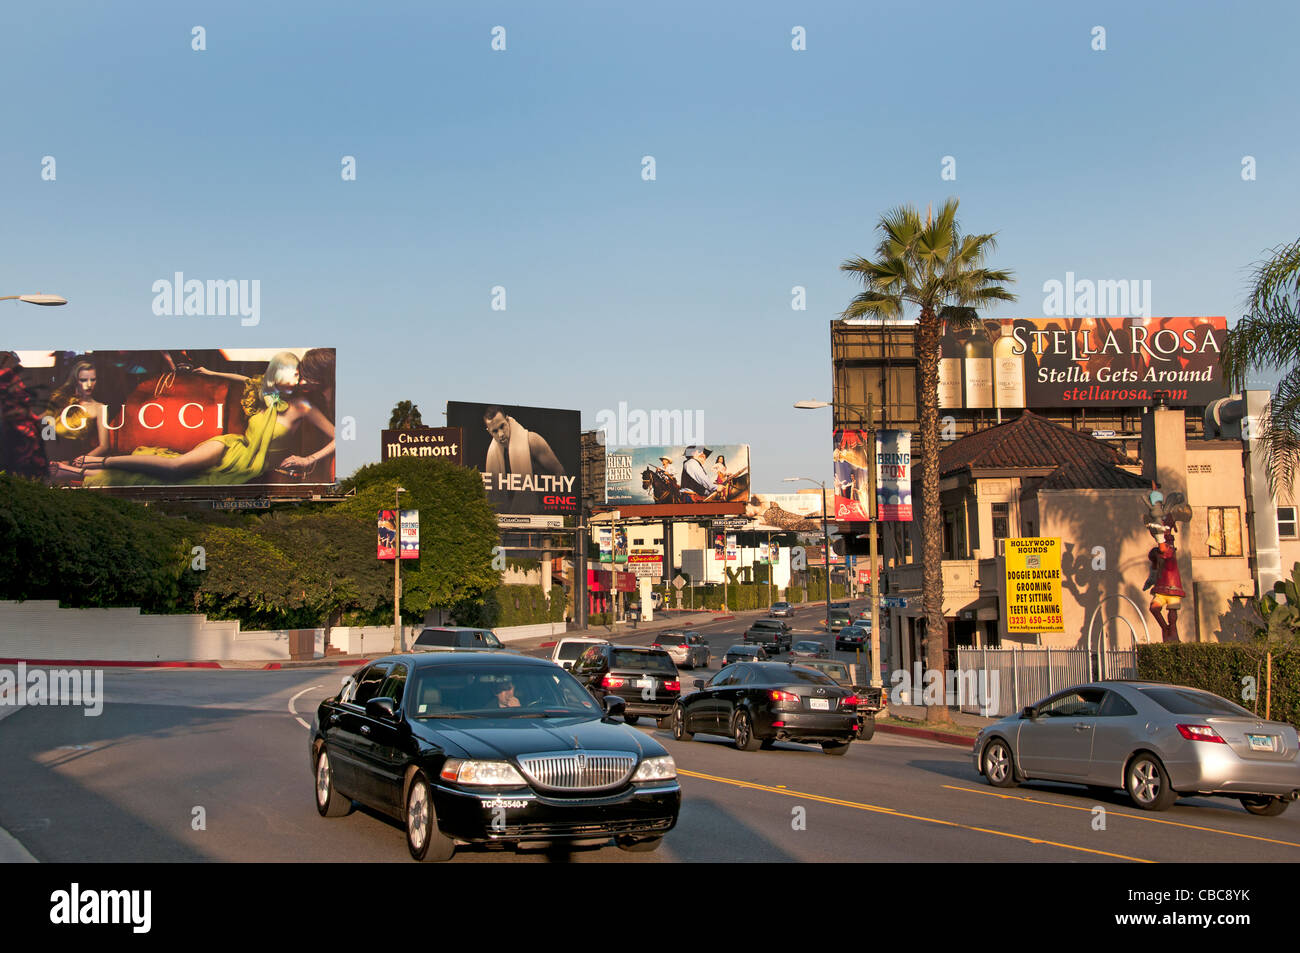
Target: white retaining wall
{"points": [[39, 629]]}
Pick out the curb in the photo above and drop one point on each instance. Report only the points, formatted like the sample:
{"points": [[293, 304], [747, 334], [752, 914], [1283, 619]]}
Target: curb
{"points": [[93, 663], [940, 736]]}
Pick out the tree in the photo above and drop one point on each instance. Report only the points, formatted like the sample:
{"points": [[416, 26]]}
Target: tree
{"points": [[1267, 339], [1280, 632], [458, 530], [405, 416], [927, 265]]}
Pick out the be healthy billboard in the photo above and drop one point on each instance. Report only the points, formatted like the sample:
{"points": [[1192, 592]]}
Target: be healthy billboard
{"points": [[1090, 362], [682, 474], [1034, 585], [529, 456], [215, 417]]}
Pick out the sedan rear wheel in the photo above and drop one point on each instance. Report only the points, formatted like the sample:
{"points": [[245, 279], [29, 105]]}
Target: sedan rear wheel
{"points": [[1148, 784], [999, 769], [631, 719], [835, 747], [1264, 806], [743, 733], [644, 846], [423, 838], [328, 801]]}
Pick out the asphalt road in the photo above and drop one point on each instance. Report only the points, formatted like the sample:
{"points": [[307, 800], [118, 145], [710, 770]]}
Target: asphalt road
{"points": [[191, 765]]}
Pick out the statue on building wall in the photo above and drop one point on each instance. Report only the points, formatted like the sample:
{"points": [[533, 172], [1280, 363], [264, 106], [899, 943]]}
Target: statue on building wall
{"points": [[1164, 580]]}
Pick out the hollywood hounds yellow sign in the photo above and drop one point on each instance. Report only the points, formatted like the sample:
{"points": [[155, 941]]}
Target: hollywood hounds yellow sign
{"points": [[1034, 585]]}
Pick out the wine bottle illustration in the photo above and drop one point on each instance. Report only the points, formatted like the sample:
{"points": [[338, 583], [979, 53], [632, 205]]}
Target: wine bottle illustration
{"points": [[950, 371], [1008, 371], [979, 370]]}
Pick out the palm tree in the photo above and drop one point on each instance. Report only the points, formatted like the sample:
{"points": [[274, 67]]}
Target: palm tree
{"points": [[928, 265], [1267, 338], [405, 416]]}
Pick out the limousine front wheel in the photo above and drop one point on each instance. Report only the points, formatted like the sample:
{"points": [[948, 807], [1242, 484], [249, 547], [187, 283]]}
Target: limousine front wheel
{"points": [[423, 838]]}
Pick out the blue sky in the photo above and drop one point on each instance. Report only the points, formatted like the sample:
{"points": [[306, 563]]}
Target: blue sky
{"points": [[522, 169]]}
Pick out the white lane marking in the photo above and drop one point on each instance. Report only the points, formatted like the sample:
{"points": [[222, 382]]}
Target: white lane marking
{"points": [[293, 711]]}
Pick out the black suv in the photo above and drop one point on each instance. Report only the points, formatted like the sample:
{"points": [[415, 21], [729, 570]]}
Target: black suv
{"points": [[769, 632], [646, 679]]}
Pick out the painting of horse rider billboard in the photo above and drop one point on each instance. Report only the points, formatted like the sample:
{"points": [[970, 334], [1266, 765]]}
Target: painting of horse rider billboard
{"points": [[695, 473]]}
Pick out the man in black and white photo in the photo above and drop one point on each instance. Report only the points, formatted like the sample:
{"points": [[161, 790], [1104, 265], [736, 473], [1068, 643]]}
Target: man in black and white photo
{"points": [[695, 479]]}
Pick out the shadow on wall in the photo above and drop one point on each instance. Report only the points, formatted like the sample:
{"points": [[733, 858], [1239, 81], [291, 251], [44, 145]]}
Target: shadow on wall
{"points": [[1104, 564]]}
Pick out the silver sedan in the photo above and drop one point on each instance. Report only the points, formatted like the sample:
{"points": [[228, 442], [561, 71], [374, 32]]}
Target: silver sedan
{"points": [[1156, 741]]}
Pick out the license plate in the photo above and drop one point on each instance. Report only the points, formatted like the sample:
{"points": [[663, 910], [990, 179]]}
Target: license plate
{"points": [[1260, 742], [646, 683], [820, 704]]}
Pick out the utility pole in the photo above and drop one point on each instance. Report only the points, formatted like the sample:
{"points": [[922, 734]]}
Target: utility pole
{"points": [[871, 523], [398, 648]]}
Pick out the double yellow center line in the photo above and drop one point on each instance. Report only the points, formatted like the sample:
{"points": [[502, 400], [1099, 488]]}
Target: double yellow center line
{"points": [[877, 809]]}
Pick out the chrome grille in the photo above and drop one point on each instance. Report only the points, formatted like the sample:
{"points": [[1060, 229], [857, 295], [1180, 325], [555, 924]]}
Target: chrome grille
{"points": [[578, 770]]}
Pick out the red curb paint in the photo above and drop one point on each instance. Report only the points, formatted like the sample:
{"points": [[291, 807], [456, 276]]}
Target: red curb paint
{"points": [[548, 645], [91, 663], [941, 736]]}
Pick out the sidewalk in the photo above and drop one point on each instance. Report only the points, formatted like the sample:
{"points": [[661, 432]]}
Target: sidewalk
{"points": [[922, 730]]}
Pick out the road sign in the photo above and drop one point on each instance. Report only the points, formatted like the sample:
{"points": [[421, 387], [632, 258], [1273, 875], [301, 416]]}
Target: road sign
{"points": [[1099, 434], [679, 583], [893, 602]]}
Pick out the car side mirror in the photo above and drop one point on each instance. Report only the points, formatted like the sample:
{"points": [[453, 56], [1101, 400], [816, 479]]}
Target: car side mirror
{"points": [[1029, 712], [614, 705], [698, 683], [384, 708]]}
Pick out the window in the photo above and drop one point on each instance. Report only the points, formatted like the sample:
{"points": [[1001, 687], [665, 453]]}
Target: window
{"points": [[368, 683], [394, 685], [1112, 706], [1001, 520], [1286, 522], [1224, 531], [1082, 703]]}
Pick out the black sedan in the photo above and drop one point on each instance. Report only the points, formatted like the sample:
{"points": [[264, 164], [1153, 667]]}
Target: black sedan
{"points": [[760, 703], [488, 748], [745, 653]]}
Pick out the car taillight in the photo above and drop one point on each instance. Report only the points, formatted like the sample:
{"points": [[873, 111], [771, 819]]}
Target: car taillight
{"points": [[672, 686], [655, 645], [778, 696], [1200, 733], [850, 702], [609, 681]]}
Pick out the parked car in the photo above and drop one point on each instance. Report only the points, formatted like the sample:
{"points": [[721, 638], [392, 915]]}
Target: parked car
{"points": [[745, 653], [760, 703], [645, 678], [426, 740], [781, 610], [1157, 741], [871, 701], [688, 649], [769, 632], [456, 638], [841, 605], [853, 636], [803, 650], [566, 650]]}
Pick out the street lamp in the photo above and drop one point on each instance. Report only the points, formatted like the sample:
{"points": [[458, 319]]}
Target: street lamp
{"points": [[874, 607], [398, 648], [826, 546], [49, 301]]}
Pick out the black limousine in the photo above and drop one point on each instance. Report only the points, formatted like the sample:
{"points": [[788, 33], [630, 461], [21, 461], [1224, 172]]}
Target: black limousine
{"points": [[488, 748]]}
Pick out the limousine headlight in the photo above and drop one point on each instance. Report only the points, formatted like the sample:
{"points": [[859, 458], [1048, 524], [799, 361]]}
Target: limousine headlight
{"points": [[480, 772], [656, 769]]}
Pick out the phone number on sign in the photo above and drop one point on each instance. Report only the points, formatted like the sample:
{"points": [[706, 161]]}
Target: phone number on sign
{"points": [[1028, 622]]}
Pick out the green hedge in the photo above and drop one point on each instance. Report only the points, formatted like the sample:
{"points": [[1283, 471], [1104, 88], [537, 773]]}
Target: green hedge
{"points": [[514, 605], [1222, 668]]}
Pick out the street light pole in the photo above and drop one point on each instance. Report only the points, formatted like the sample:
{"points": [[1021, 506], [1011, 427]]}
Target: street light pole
{"points": [[826, 545], [873, 553], [398, 648]]}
